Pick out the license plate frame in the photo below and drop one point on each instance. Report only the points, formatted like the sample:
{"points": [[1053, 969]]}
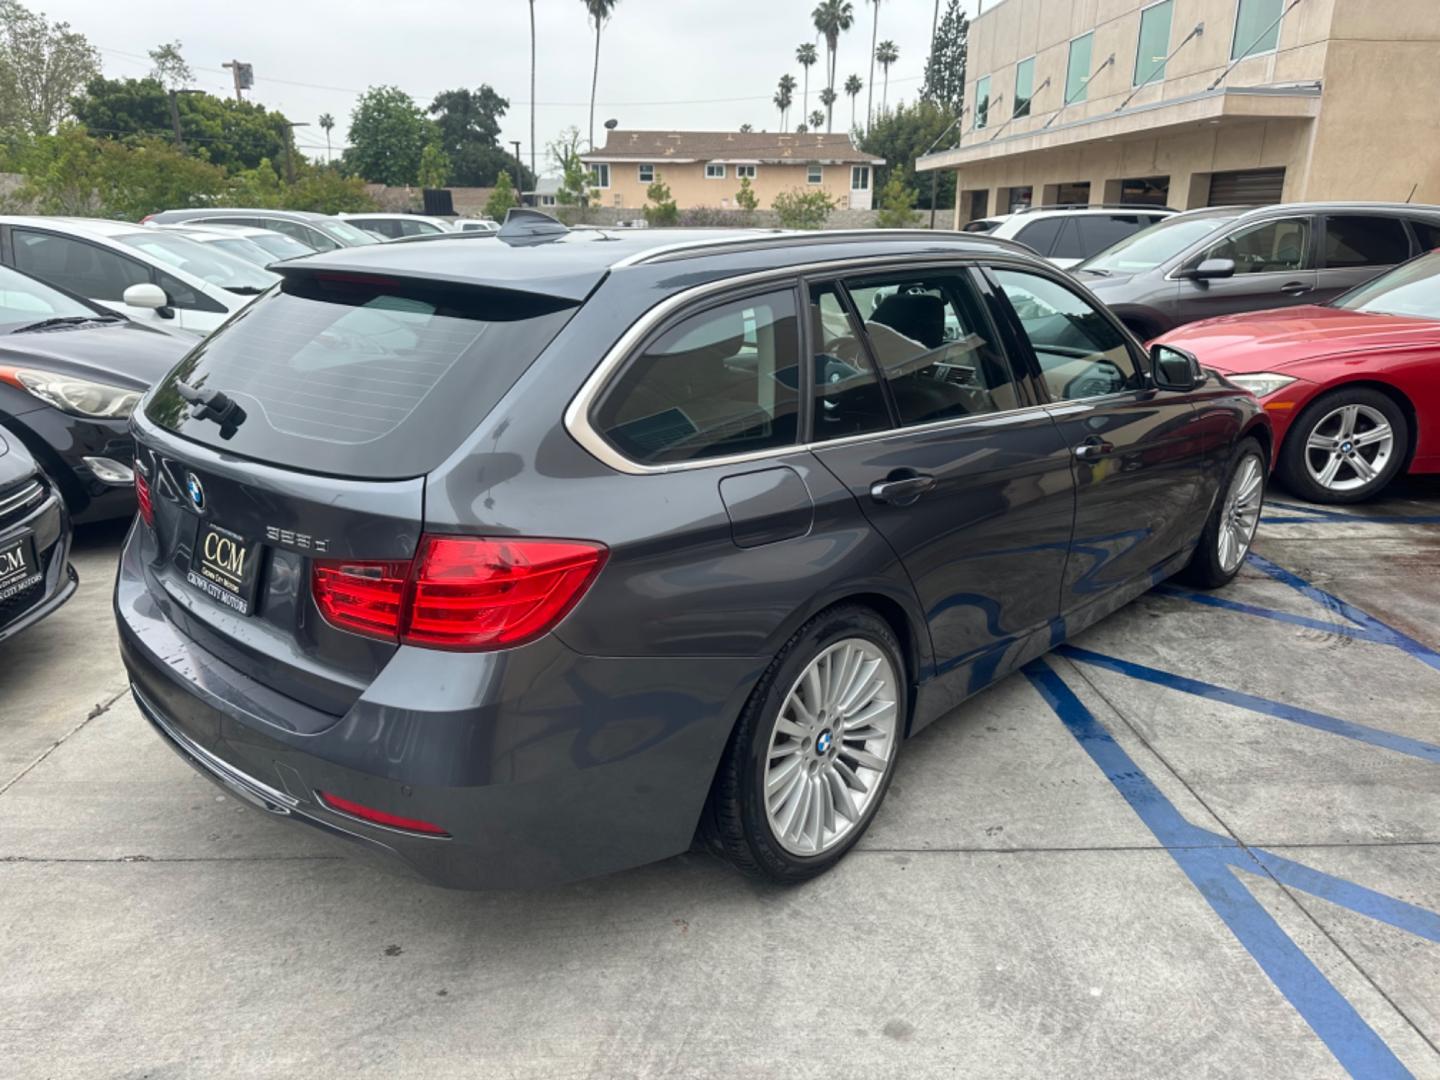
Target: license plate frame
{"points": [[19, 564], [225, 566]]}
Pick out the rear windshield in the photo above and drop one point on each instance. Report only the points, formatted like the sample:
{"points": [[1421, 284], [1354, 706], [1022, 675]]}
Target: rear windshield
{"points": [[360, 376]]}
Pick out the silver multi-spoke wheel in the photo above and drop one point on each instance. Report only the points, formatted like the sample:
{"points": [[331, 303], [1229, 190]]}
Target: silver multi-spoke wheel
{"points": [[1349, 447], [832, 744], [1240, 514]]}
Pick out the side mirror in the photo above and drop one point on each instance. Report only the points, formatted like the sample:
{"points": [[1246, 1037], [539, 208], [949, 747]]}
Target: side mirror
{"points": [[1212, 270], [1175, 369], [148, 297]]}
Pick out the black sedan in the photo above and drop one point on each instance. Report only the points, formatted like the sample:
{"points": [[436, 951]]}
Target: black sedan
{"points": [[35, 575], [70, 372]]}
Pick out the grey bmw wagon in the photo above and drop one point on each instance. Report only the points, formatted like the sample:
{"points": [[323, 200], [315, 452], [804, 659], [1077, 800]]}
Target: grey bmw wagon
{"points": [[543, 559]]}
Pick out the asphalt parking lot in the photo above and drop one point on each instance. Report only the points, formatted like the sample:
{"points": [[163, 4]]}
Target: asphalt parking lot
{"points": [[1202, 841]]}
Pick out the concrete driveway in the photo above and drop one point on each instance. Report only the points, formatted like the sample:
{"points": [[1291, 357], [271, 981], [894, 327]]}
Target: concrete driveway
{"points": [[1202, 841]]}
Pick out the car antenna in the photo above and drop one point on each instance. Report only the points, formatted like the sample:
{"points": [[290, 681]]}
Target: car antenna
{"points": [[524, 226]]}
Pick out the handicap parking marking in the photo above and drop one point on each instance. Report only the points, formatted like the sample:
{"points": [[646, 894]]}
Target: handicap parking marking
{"points": [[1301, 514], [1210, 860]]}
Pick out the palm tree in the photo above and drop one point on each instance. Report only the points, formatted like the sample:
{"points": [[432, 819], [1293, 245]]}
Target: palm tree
{"points": [[886, 54], [828, 97], [599, 11], [816, 119], [787, 90], [853, 86], [870, 94], [806, 55], [832, 18], [533, 173], [327, 122]]}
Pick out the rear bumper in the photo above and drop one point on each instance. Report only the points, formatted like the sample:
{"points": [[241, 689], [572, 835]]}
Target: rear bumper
{"points": [[544, 768]]}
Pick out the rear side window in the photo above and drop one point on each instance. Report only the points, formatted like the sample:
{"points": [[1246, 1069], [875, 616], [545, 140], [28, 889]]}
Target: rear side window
{"points": [[1428, 233], [1353, 240], [1039, 236], [360, 377], [723, 381]]}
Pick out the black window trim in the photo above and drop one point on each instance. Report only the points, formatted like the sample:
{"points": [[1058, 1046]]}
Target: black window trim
{"points": [[808, 346]]}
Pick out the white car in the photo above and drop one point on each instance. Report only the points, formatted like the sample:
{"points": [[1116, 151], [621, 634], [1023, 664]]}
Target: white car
{"points": [[258, 246], [480, 225], [152, 276], [1067, 235], [394, 226]]}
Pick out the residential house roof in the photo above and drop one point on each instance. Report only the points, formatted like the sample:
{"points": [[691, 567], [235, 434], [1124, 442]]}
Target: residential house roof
{"points": [[738, 147]]}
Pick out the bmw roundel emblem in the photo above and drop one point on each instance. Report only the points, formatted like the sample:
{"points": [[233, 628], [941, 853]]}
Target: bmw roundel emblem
{"points": [[196, 490], [822, 744]]}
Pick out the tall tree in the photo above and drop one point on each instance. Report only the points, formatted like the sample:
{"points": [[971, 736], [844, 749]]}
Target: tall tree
{"points": [[887, 54], [787, 95], [853, 86], [532, 88], [874, 33], [327, 125], [808, 58], [832, 18], [170, 70], [468, 123], [945, 70], [828, 97], [900, 136], [388, 133], [41, 65], [600, 12], [816, 119]]}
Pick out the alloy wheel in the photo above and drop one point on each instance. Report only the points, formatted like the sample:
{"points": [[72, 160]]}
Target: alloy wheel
{"points": [[1240, 514], [1349, 448], [833, 742]]}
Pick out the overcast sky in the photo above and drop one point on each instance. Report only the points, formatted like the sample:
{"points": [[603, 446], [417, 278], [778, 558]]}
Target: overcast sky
{"points": [[664, 64]]}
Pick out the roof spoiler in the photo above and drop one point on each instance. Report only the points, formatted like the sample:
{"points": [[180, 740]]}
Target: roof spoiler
{"points": [[524, 226]]}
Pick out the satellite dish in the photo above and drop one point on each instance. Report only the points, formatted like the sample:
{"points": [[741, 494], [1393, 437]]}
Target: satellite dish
{"points": [[611, 125]]}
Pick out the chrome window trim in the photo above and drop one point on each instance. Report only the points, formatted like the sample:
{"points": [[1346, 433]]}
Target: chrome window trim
{"points": [[577, 413]]}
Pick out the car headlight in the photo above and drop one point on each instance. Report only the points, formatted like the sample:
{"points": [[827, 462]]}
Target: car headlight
{"points": [[80, 397], [1262, 385]]}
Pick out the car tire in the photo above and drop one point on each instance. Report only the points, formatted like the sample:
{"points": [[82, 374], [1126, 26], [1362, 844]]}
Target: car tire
{"points": [[749, 832], [1338, 416], [1230, 529]]}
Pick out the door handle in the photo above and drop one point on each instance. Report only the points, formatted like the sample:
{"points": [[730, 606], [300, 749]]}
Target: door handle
{"points": [[1093, 447], [1296, 288], [901, 488]]}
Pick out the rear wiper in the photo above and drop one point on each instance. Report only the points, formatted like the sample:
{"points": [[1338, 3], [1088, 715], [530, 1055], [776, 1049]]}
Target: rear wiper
{"points": [[67, 320], [1093, 270], [212, 405], [246, 290]]}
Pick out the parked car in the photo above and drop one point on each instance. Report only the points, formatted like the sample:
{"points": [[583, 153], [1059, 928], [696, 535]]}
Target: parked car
{"points": [[35, 572], [70, 372], [629, 547], [1352, 386], [318, 232], [155, 277], [1225, 261], [259, 247], [393, 226], [1066, 235], [480, 225]]}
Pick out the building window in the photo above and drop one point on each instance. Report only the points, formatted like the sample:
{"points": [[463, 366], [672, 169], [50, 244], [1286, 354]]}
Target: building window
{"points": [[647, 174], [814, 175], [1154, 43], [743, 172], [1257, 28], [1077, 75], [982, 102], [714, 172], [1024, 86], [600, 176], [860, 178]]}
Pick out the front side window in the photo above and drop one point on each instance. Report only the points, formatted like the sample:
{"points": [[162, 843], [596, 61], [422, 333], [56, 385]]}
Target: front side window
{"points": [[745, 172], [714, 172], [982, 103], [647, 174], [1154, 43], [1269, 247], [1077, 72], [1352, 240], [724, 381], [1024, 86], [814, 174], [848, 397], [600, 175], [1257, 28], [929, 334], [81, 267], [1081, 353]]}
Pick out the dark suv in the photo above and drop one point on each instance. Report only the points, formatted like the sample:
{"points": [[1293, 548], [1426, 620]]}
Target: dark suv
{"points": [[1229, 260], [530, 561]]}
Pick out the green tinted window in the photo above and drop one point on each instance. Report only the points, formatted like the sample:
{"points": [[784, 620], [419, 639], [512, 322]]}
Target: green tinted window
{"points": [[1078, 73], [1154, 43], [1024, 86], [1257, 28], [982, 102]]}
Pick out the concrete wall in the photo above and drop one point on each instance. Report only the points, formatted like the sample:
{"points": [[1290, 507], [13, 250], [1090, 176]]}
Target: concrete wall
{"points": [[689, 187], [715, 218]]}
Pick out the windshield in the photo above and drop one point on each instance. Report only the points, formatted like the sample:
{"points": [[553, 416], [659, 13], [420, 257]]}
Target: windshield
{"points": [[278, 245], [1412, 288], [346, 234], [1150, 247], [23, 300], [205, 261]]}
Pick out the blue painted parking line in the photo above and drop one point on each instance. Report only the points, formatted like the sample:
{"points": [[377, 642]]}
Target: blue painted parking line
{"points": [[1353, 1042], [1315, 515], [1254, 703], [1211, 600], [1375, 905]]}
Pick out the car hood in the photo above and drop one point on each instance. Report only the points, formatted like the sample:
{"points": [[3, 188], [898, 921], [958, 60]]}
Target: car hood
{"points": [[121, 354], [1271, 340]]}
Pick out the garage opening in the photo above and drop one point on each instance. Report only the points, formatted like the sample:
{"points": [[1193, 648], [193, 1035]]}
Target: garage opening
{"points": [[1139, 191], [976, 202], [1072, 194], [1247, 187], [1011, 199]]}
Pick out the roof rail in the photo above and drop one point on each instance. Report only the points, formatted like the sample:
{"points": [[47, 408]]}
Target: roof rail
{"points": [[1095, 206], [795, 237]]}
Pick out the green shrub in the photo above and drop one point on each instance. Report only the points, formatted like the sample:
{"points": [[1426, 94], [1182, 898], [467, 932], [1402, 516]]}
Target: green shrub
{"points": [[801, 209], [897, 205], [663, 211]]}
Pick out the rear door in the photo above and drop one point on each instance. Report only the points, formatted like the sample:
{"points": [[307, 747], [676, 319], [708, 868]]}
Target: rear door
{"points": [[1355, 248], [1274, 267], [948, 454]]}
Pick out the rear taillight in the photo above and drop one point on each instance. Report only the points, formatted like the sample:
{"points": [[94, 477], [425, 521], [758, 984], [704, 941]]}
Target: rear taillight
{"points": [[142, 499], [379, 817], [460, 592]]}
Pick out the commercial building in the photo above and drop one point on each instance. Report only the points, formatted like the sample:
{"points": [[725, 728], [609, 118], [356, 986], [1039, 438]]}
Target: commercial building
{"points": [[1192, 103]]}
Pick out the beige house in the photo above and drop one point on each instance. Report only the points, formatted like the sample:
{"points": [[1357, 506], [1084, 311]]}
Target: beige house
{"points": [[1197, 102], [705, 168]]}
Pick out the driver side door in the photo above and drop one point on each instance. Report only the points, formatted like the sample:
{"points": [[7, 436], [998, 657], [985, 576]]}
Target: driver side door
{"points": [[1274, 267]]}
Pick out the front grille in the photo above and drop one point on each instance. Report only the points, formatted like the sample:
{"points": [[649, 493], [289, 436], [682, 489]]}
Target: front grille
{"points": [[17, 501]]}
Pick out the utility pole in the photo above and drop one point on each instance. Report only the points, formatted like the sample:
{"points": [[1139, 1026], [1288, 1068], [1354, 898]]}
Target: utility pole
{"points": [[173, 96], [244, 76], [519, 174]]}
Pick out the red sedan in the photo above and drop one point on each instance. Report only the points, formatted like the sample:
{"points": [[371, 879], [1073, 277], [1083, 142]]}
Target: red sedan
{"points": [[1353, 386]]}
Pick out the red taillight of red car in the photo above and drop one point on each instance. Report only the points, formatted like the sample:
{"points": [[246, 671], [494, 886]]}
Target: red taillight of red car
{"points": [[460, 592], [142, 499], [379, 817]]}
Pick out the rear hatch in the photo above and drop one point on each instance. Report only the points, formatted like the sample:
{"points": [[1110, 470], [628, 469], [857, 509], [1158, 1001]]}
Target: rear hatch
{"points": [[302, 432]]}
